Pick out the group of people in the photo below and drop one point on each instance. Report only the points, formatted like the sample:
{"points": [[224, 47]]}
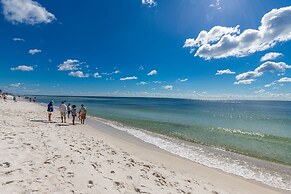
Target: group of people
{"points": [[67, 110]]}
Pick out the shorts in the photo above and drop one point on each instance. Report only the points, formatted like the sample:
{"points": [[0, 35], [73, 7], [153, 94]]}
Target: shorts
{"points": [[63, 114]]}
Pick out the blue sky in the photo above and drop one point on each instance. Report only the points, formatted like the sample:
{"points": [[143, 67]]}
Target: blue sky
{"points": [[206, 49]]}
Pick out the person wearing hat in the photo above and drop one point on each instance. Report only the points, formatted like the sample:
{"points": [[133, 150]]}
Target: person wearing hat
{"points": [[82, 113], [50, 110]]}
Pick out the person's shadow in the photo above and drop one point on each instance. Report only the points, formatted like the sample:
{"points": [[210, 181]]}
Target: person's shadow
{"points": [[41, 121]]}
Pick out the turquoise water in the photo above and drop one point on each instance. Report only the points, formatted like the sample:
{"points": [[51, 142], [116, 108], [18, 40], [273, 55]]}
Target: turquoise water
{"points": [[260, 129]]}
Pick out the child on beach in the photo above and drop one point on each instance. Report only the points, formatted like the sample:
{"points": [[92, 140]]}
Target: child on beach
{"points": [[50, 110], [63, 111], [83, 112], [74, 113]]}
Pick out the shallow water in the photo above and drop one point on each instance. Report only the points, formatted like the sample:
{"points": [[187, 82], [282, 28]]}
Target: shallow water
{"points": [[260, 129]]}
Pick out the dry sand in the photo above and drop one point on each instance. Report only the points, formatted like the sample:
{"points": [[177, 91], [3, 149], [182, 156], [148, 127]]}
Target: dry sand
{"points": [[41, 157]]}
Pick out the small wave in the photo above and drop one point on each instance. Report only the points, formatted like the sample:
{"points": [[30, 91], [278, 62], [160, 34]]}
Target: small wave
{"points": [[201, 155], [238, 131]]}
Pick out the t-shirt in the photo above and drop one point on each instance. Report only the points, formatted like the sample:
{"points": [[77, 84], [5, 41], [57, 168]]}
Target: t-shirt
{"points": [[69, 108], [50, 107], [63, 108]]}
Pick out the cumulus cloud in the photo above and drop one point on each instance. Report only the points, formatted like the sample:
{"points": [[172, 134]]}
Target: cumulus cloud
{"points": [[284, 80], [226, 71], [69, 65], [153, 72], [222, 42], [271, 56], [26, 11], [245, 81], [18, 40], [149, 2], [168, 87], [22, 68], [128, 78], [34, 51], [16, 85], [96, 75], [78, 74], [259, 71]]}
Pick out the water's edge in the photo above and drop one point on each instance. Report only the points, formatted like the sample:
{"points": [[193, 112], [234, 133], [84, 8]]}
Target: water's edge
{"points": [[272, 174]]}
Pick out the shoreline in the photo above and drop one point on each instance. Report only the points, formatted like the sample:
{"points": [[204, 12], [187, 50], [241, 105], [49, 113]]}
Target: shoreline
{"points": [[110, 128], [160, 169]]}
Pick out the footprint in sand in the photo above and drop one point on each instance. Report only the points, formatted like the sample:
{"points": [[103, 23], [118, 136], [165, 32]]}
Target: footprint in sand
{"points": [[70, 174], [5, 164], [90, 184]]}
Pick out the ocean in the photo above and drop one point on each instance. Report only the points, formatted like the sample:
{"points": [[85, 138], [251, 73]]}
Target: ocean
{"points": [[251, 139]]}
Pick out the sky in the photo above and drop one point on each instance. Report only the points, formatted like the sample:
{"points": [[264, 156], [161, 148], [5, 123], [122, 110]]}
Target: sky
{"points": [[200, 49]]}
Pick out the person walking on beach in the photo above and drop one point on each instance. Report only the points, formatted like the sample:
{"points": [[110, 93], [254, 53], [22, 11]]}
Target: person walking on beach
{"points": [[50, 110], [74, 113], [63, 110], [69, 110], [83, 112]]}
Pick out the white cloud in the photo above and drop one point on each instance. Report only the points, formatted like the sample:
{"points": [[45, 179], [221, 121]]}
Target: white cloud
{"points": [[245, 81], [69, 65], [265, 67], [271, 56], [22, 68], [157, 82], [142, 83], [222, 42], [78, 74], [273, 66], [153, 72], [128, 78], [114, 72], [96, 75], [16, 85], [141, 68], [216, 4], [34, 51], [284, 79], [248, 75], [18, 40], [26, 11], [260, 91], [226, 71], [168, 87], [149, 2], [269, 85], [182, 80]]}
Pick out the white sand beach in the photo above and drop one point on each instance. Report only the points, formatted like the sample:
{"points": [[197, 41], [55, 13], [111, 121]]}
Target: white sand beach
{"points": [[41, 157]]}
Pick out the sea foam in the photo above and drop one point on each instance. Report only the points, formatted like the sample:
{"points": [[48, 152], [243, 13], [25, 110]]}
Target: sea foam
{"points": [[214, 158]]}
